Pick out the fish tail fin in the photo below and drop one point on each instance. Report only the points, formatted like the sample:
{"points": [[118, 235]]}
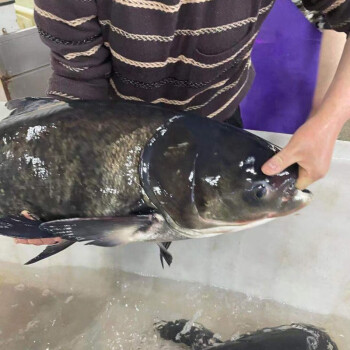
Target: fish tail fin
{"points": [[50, 250]]}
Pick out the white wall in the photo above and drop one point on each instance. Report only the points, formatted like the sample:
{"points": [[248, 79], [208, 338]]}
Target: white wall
{"points": [[8, 19]]}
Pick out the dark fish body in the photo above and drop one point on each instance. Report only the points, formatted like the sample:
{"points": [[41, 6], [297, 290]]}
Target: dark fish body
{"points": [[110, 173], [75, 160], [293, 337]]}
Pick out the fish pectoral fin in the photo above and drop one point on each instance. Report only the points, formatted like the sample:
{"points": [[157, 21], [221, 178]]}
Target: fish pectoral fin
{"points": [[102, 231], [164, 254], [99, 231], [50, 250]]}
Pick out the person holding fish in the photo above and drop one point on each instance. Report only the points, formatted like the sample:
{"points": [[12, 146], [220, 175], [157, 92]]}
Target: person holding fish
{"points": [[191, 55]]}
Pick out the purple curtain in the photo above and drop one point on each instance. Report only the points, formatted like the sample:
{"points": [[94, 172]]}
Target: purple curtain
{"points": [[285, 57]]}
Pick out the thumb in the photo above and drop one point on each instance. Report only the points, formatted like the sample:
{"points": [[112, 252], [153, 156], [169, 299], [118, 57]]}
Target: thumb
{"points": [[279, 162]]}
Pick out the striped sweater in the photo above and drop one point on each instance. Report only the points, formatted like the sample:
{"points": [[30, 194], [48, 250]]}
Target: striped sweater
{"points": [[190, 54]]}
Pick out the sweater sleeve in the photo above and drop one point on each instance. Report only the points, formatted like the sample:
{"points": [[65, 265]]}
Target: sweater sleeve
{"points": [[81, 63], [336, 13]]}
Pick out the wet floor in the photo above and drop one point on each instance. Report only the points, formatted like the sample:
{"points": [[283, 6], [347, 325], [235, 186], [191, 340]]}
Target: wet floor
{"points": [[80, 309]]}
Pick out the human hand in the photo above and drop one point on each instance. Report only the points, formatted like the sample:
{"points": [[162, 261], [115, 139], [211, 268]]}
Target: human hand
{"points": [[311, 147]]}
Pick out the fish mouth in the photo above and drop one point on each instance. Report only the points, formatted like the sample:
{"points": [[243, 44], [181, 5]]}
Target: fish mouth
{"points": [[293, 203]]}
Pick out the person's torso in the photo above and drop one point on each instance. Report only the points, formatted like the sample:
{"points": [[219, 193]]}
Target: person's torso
{"points": [[189, 54]]}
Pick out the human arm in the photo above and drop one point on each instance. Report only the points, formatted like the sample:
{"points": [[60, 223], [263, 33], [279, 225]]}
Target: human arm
{"points": [[80, 62], [312, 144]]}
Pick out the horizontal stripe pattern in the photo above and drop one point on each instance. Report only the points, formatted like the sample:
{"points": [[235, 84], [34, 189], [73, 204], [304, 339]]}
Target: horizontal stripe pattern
{"points": [[185, 32], [122, 96], [333, 6], [62, 94], [90, 52], [158, 6], [181, 58], [230, 101], [73, 23], [165, 100], [132, 36], [148, 64], [228, 94], [60, 41], [74, 69], [221, 91], [193, 55], [338, 16]]}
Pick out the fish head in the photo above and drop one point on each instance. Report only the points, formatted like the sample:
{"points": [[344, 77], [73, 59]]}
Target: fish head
{"points": [[205, 178], [230, 188]]}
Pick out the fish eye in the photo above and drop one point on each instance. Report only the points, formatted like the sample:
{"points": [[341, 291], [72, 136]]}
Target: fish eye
{"points": [[260, 191]]}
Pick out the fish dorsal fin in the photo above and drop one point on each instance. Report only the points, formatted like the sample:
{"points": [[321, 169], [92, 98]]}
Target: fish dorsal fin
{"points": [[28, 104]]}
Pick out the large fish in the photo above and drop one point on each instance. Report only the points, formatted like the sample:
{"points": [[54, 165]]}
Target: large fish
{"points": [[111, 173], [293, 337]]}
